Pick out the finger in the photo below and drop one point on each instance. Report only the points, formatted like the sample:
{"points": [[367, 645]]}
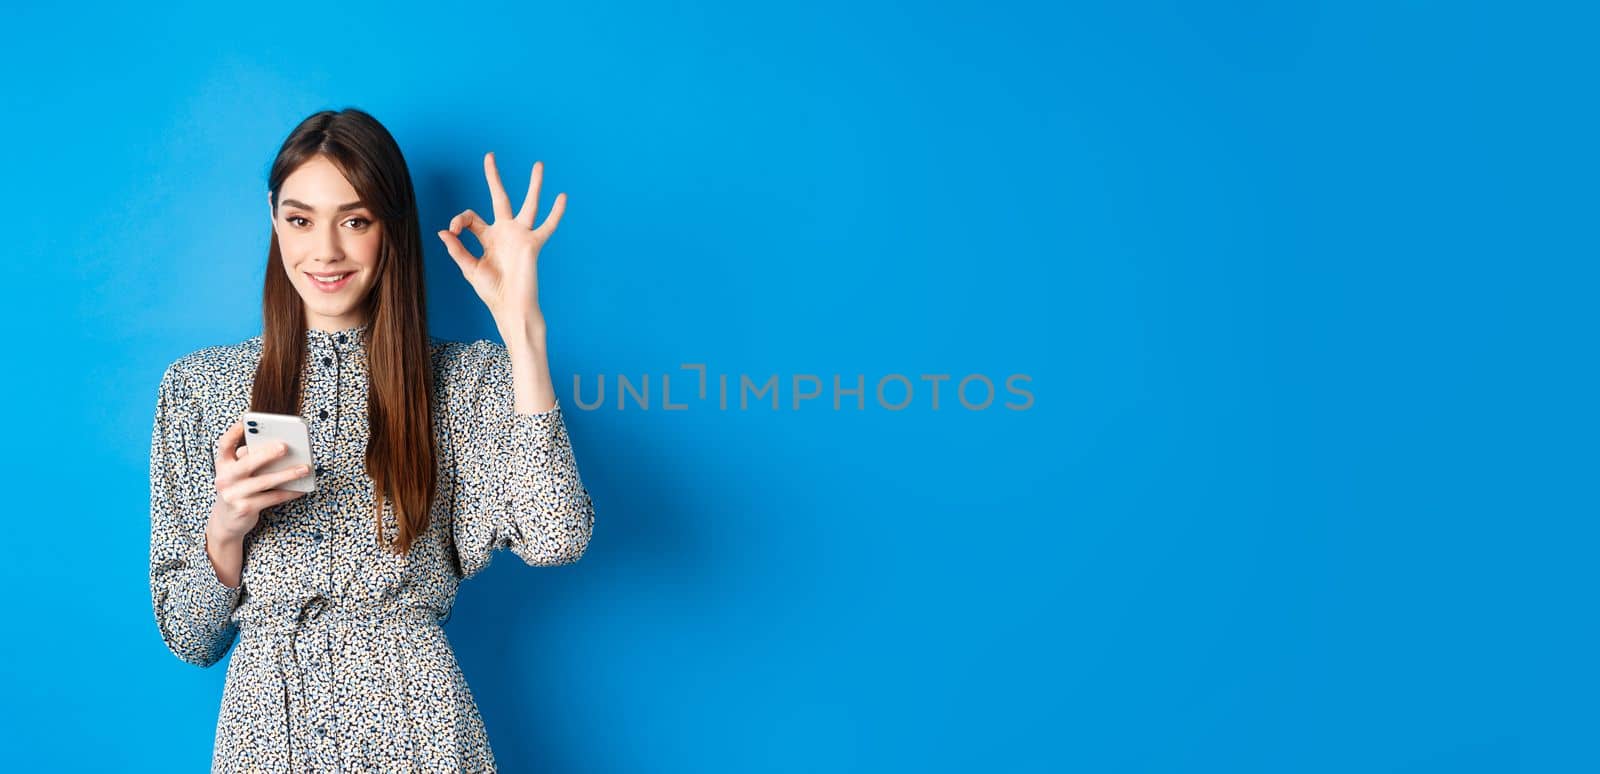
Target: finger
{"points": [[463, 257], [530, 204], [264, 457], [285, 476], [557, 207], [253, 485], [228, 444], [471, 222], [497, 192], [235, 469], [270, 498]]}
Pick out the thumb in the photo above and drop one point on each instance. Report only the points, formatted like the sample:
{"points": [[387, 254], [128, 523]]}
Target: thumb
{"points": [[464, 259]]}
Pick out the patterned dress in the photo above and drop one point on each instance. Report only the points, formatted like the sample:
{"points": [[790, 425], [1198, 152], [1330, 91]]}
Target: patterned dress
{"points": [[342, 663]]}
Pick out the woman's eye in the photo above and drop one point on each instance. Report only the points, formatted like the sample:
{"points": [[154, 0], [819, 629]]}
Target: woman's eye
{"points": [[296, 220]]}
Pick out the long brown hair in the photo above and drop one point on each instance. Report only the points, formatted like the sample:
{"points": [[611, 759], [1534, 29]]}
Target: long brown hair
{"points": [[400, 448]]}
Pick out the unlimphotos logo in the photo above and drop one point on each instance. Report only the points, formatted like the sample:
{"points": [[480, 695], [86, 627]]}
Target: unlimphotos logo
{"points": [[895, 392]]}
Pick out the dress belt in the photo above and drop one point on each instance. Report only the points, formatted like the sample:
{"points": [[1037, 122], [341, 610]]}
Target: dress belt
{"points": [[292, 616]]}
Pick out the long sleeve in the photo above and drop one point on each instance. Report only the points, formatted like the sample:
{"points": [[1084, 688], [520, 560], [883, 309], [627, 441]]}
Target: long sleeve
{"points": [[515, 475], [192, 606]]}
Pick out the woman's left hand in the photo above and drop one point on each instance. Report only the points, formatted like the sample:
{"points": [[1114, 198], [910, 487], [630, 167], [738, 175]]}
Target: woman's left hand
{"points": [[506, 277]]}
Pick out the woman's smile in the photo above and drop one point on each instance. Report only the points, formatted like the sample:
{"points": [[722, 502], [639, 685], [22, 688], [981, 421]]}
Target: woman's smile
{"points": [[330, 283]]}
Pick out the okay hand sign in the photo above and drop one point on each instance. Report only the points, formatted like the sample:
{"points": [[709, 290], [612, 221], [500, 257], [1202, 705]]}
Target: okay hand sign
{"points": [[506, 277]]}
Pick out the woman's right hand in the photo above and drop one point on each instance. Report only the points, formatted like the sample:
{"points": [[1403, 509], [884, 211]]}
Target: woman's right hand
{"points": [[241, 493]]}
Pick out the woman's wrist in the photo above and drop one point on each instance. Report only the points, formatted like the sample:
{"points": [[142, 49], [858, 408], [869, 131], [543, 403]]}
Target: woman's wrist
{"points": [[215, 538], [523, 334], [225, 555]]}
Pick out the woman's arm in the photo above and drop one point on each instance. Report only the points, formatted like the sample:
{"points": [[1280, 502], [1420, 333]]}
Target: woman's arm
{"points": [[530, 366], [515, 476], [516, 480], [192, 605], [227, 558]]}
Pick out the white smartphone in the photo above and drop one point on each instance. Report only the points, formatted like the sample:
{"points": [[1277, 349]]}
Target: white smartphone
{"points": [[262, 430]]}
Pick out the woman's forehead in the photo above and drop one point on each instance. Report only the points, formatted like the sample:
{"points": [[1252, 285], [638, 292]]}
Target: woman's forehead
{"points": [[319, 185]]}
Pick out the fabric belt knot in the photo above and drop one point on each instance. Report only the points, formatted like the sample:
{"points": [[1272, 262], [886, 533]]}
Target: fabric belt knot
{"points": [[291, 617]]}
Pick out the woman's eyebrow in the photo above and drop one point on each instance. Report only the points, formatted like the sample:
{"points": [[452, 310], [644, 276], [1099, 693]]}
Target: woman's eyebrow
{"points": [[304, 206]]}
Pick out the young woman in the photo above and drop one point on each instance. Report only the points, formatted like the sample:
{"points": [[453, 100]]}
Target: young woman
{"points": [[429, 455]]}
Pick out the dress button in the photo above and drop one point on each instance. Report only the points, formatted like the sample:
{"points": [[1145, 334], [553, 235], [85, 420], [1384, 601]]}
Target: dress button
{"points": [[322, 731], [341, 338], [317, 536], [327, 361], [321, 470], [323, 414]]}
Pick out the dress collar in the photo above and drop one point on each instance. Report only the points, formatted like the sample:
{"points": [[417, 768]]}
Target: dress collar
{"points": [[346, 340]]}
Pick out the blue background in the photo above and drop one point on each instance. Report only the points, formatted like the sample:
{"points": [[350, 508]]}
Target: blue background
{"points": [[1305, 292]]}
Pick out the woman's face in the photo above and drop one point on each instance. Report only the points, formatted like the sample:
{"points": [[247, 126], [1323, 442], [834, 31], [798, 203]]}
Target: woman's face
{"points": [[325, 231]]}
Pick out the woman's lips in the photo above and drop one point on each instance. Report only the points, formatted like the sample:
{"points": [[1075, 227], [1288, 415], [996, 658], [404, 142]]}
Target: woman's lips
{"points": [[331, 287]]}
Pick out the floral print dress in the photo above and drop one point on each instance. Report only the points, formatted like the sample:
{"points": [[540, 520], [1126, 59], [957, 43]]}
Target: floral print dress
{"points": [[341, 661]]}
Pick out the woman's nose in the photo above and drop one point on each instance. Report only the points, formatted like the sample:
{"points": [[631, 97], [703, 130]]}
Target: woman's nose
{"points": [[330, 241]]}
